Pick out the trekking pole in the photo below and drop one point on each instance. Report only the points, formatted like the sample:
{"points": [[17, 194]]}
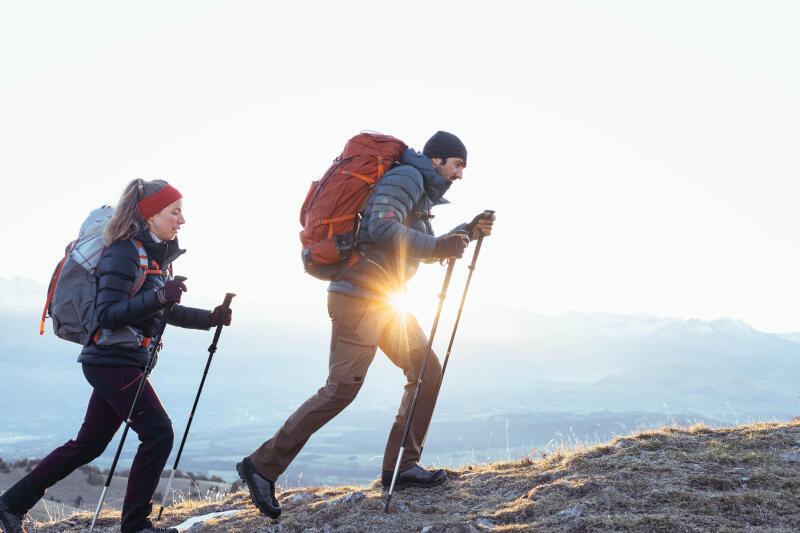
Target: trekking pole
{"points": [[471, 268], [211, 350], [450, 264], [128, 421]]}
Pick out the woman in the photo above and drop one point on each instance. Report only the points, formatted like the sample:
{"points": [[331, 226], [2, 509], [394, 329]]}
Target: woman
{"points": [[148, 216]]}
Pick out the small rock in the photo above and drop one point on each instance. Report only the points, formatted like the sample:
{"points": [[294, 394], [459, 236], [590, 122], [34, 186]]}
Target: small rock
{"points": [[196, 528], [426, 529], [353, 498], [327, 528], [469, 527], [572, 512], [402, 505], [745, 478], [790, 457], [484, 522], [606, 500], [545, 478], [299, 497]]}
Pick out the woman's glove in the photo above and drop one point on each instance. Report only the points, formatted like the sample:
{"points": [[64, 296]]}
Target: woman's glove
{"points": [[171, 291], [220, 315], [451, 245]]}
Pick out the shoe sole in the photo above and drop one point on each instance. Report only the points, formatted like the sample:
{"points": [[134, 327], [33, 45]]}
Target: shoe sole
{"points": [[269, 513]]}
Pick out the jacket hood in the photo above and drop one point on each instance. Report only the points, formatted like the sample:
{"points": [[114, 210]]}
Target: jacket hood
{"points": [[435, 185]]}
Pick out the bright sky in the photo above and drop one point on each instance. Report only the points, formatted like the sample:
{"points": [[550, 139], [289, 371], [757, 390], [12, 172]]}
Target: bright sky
{"points": [[641, 156]]}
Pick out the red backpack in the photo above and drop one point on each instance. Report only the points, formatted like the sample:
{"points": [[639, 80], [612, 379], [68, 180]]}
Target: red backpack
{"points": [[334, 206]]}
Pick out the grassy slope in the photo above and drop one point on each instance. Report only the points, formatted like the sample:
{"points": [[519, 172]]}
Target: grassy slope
{"points": [[60, 499], [673, 479]]}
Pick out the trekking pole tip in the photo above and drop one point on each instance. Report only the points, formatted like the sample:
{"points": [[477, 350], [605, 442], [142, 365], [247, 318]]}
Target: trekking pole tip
{"points": [[388, 500]]}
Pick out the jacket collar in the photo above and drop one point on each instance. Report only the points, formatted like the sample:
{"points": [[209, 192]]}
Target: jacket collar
{"points": [[164, 252], [435, 185]]}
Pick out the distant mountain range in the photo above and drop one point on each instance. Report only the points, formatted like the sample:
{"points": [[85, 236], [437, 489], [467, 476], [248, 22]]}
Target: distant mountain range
{"points": [[542, 374]]}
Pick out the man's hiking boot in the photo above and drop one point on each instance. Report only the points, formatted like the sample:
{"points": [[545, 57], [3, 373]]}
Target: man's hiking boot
{"points": [[262, 490], [150, 528], [416, 476], [10, 522]]}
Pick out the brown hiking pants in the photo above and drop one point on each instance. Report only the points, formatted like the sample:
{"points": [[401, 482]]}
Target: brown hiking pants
{"points": [[359, 328]]}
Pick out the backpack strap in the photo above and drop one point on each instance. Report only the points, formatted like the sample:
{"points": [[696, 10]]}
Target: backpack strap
{"points": [[144, 267]]}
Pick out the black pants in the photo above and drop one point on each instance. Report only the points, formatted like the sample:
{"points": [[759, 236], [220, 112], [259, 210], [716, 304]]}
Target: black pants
{"points": [[114, 389]]}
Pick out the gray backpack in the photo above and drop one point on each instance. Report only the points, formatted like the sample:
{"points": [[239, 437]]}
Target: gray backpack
{"points": [[73, 287]]}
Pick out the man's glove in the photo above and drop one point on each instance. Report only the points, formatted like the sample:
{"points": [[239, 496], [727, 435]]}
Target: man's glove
{"points": [[451, 245], [481, 225], [220, 315], [171, 291]]}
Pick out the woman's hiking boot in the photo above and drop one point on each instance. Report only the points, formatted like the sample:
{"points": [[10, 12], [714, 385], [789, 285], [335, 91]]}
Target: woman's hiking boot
{"points": [[10, 522], [416, 476], [150, 528], [262, 490]]}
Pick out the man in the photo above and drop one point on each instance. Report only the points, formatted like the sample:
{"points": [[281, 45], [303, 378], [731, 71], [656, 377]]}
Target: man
{"points": [[395, 235]]}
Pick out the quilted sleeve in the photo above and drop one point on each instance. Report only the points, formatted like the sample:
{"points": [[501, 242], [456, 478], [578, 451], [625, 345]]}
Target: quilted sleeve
{"points": [[393, 199]]}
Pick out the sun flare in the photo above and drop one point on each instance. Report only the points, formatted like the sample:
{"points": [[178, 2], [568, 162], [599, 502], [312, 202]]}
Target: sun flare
{"points": [[401, 302]]}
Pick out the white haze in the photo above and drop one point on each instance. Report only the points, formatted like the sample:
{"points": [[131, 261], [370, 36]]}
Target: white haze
{"points": [[641, 157]]}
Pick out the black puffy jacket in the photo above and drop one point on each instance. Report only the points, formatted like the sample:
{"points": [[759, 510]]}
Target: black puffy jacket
{"points": [[121, 318]]}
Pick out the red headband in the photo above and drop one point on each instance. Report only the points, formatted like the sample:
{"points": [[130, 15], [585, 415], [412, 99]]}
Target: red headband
{"points": [[154, 203]]}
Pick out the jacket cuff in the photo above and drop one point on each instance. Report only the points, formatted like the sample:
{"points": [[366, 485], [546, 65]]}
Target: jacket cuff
{"points": [[428, 246], [150, 301], [460, 227]]}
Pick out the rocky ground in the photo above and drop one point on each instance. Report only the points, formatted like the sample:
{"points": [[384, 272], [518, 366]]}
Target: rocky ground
{"points": [[673, 479]]}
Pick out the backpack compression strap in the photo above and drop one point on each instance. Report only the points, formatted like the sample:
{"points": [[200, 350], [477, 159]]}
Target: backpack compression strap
{"points": [[369, 181], [53, 284]]}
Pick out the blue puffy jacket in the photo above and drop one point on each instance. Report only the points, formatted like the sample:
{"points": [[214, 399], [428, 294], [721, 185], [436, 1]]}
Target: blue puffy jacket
{"points": [[396, 232]]}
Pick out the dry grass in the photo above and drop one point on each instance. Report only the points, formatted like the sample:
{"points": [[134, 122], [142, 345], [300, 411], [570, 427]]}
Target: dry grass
{"points": [[673, 479]]}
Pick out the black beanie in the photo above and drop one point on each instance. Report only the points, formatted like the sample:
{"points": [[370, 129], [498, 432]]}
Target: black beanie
{"points": [[444, 145]]}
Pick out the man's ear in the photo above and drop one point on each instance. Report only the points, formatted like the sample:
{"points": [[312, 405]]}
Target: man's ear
{"points": [[436, 161]]}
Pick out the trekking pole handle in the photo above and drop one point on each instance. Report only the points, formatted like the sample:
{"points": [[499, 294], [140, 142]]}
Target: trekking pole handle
{"points": [[227, 302]]}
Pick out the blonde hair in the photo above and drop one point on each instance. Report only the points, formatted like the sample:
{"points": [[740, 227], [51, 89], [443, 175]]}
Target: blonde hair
{"points": [[127, 221]]}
